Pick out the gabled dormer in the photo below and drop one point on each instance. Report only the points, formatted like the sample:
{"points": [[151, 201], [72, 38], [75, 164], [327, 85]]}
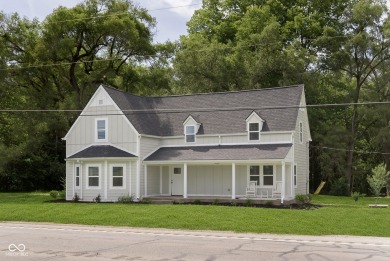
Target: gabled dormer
{"points": [[191, 127], [254, 125]]}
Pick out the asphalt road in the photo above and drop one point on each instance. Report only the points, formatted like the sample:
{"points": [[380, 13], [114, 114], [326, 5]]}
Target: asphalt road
{"points": [[43, 241]]}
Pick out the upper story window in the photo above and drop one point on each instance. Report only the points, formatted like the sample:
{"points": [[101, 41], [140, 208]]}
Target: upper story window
{"points": [[101, 129], [254, 131], [190, 133], [254, 125]]}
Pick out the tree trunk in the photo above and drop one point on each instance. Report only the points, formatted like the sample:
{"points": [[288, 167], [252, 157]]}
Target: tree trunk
{"points": [[352, 140]]}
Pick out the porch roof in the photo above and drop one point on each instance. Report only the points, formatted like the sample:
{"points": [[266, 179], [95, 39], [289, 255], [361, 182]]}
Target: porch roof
{"points": [[101, 151], [221, 152]]}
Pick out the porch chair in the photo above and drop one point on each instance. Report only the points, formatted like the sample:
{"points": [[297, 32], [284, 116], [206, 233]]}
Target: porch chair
{"points": [[277, 190], [251, 189]]}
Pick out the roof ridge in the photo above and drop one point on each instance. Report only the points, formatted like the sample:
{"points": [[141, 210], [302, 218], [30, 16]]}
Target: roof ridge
{"points": [[208, 93]]}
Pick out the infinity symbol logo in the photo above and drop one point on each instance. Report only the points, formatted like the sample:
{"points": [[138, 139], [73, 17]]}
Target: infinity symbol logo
{"points": [[13, 247]]}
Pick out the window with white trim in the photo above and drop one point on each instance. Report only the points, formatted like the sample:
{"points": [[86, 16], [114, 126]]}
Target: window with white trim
{"points": [[177, 171], [93, 177], [254, 131], [118, 176], [254, 174], [295, 175], [101, 129], [190, 133], [77, 177], [268, 175], [300, 132]]}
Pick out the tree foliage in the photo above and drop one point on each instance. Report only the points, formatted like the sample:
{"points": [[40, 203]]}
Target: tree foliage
{"points": [[58, 64]]}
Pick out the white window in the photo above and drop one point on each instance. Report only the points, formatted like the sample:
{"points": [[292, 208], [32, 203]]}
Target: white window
{"points": [[254, 174], [93, 176], [254, 131], [77, 177], [300, 132], [118, 178], [295, 175], [190, 133], [101, 129], [268, 175]]}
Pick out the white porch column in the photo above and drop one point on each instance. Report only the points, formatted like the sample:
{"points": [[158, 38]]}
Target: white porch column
{"points": [[160, 180], [138, 181], [185, 181], [283, 181], [105, 179], [146, 179], [292, 179], [233, 180]]}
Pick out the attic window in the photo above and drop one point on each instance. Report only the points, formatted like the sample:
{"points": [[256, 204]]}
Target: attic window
{"points": [[190, 133], [254, 131]]}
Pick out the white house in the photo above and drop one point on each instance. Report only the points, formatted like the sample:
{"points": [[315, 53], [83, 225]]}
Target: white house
{"points": [[211, 144]]}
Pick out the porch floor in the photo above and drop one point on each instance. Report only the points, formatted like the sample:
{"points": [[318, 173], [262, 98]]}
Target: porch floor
{"points": [[222, 200]]}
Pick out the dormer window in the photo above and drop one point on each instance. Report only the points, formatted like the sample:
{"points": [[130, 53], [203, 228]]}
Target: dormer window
{"points": [[254, 124], [254, 131], [101, 130], [191, 127], [190, 133]]}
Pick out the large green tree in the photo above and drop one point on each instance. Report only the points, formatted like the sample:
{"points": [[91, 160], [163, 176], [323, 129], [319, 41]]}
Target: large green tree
{"points": [[58, 64]]}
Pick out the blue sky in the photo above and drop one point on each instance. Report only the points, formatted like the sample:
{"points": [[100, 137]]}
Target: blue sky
{"points": [[171, 23]]}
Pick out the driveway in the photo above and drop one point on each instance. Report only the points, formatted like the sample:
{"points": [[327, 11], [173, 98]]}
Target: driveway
{"points": [[44, 241]]}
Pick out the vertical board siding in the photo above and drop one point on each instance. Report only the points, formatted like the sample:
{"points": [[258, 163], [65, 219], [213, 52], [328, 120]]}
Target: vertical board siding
{"points": [[301, 152], [147, 146], [165, 180], [69, 180], [83, 133], [209, 180], [153, 184]]}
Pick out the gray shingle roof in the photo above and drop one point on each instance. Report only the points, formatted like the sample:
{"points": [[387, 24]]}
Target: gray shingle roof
{"points": [[222, 152], [214, 121], [101, 151]]}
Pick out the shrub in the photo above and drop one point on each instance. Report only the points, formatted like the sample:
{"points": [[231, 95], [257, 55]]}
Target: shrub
{"points": [[303, 199], [98, 199], [197, 202], [248, 202], [54, 194], [356, 195], [269, 204], [146, 201], [215, 202], [76, 197], [339, 187], [126, 199], [62, 194]]}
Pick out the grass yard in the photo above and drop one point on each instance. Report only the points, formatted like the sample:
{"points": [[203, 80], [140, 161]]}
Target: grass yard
{"points": [[343, 217]]}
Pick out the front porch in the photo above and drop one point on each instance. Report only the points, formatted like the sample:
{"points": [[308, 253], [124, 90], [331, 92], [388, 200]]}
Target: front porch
{"points": [[227, 182]]}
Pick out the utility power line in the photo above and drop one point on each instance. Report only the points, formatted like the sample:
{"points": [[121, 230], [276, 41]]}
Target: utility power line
{"points": [[347, 150], [210, 109]]}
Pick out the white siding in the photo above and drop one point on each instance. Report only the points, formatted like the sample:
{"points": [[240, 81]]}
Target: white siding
{"points": [[82, 133], [153, 184], [241, 179], [210, 180], [147, 146], [301, 152], [165, 180], [88, 194], [69, 180], [275, 137]]}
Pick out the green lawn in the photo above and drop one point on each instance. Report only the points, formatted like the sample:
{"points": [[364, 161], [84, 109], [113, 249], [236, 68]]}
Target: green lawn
{"points": [[343, 218]]}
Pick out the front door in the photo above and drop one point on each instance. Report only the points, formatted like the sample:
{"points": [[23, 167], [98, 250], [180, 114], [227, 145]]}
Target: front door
{"points": [[177, 181]]}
